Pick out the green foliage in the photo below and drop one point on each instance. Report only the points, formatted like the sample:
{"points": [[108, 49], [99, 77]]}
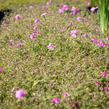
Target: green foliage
{"points": [[6, 4], [76, 72], [103, 6]]}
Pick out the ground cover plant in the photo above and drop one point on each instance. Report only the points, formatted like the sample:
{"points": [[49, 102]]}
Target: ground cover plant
{"points": [[53, 55]]}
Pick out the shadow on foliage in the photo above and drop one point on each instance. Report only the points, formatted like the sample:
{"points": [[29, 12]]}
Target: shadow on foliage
{"points": [[3, 13]]}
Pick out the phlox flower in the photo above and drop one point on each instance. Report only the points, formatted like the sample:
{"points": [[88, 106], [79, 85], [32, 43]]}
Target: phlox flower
{"points": [[31, 7], [61, 5], [50, 2], [76, 104], [0, 69], [101, 43], [6, 25], [65, 7], [44, 7], [50, 46], [85, 35], [11, 42], [71, 23], [32, 36], [36, 21], [69, 102], [56, 100], [104, 74], [63, 29], [97, 83], [35, 27], [19, 44], [65, 94], [94, 40], [94, 8], [4, 22], [87, 2], [61, 11], [73, 9], [20, 94], [74, 33], [106, 88], [40, 57], [43, 14], [36, 32], [18, 16], [79, 18], [107, 38], [39, 95]]}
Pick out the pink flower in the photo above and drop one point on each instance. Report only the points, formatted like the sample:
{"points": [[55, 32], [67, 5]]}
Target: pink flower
{"points": [[65, 94], [61, 11], [39, 95], [20, 94], [73, 9], [65, 7], [50, 2], [32, 36], [11, 42], [69, 102], [43, 14], [101, 43], [35, 27], [44, 7], [50, 46], [94, 8], [6, 25], [19, 44], [107, 38], [18, 16], [63, 29], [54, 71], [40, 57], [71, 23], [104, 74], [79, 18], [76, 104], [97, 83], [31, 7], [0, 69], [4, 22], [106, 88], [94, 40], [74, 33], [61, 5], [36, 21], [85, 35], [56, 100], [36, 32], [87, 2]]}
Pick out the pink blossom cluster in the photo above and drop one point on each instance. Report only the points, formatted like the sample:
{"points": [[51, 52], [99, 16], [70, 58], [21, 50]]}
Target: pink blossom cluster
{"points": [[97, 83], [87, 2], [50, 46], [44, 7], [82, 19], [1, 70], [74, 33], [74, 10], [94, 9], [63, 8], [20, 94], [50, 2], [18, 17], [101, 43], [20, 43]]}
